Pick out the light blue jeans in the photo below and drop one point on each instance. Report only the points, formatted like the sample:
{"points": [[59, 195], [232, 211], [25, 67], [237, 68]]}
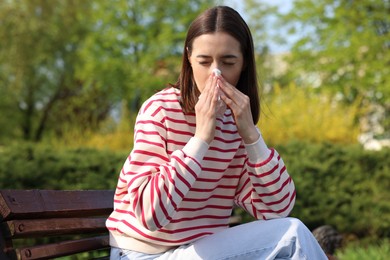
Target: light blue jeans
{"points": [[284, 238]]}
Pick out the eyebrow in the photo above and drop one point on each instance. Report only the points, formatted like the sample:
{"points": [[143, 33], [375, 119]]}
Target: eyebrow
{"points": [[227, 56]]}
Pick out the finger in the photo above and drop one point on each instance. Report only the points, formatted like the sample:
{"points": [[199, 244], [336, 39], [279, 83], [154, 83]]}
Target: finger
{"points": [[209, 89], [238, 102], [230, 92]]}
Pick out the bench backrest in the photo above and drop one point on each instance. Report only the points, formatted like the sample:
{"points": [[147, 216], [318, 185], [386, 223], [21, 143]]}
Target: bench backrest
{"points": [[74, 220]]}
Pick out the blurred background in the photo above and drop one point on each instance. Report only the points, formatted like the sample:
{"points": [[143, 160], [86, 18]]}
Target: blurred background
{"points": [[74, 73]]}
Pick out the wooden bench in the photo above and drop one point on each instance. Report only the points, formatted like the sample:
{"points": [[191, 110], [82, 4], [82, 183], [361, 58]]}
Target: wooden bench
{"points": [[45, 224]]}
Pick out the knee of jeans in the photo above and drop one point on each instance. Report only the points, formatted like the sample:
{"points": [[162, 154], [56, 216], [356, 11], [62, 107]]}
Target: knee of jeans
{"points": [[295, 221], [298, 225]]}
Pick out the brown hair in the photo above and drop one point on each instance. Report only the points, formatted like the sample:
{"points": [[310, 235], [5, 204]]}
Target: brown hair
{"points": [[220, 19]]}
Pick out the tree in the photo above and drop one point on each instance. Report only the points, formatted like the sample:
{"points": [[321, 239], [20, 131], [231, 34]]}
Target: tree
{"points": [[38, 52], [66, 64], [258, 14], [345, 45], [136, 45]]}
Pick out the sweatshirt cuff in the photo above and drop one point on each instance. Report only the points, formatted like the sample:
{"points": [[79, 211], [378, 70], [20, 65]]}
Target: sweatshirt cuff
{"points": [[258, 151], [196, 148]]}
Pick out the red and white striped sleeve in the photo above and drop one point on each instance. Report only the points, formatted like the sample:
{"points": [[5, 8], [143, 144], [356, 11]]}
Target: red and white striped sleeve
{"points": [[266, 190]]}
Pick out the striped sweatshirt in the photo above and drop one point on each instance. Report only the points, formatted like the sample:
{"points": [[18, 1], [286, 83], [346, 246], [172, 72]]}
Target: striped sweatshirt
{"points": [[175, 188]]}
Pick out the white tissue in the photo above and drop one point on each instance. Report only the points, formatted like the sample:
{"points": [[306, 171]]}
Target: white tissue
{"points": [[221, 106], [217, 72]]}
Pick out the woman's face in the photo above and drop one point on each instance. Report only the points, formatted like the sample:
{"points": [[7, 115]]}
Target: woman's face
{"points": [[218, 50]]}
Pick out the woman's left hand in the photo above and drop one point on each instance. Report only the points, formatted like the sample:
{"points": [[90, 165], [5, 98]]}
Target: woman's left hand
{"points": [[239, 103]]}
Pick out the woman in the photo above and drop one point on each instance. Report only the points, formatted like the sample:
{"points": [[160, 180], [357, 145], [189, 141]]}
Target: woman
{"points": [[191, 164]]}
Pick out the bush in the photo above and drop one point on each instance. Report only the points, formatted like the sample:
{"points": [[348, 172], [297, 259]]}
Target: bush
{"points": [[111, 135], [343, 186], [29, 166], [375, 251], [295, 113]]}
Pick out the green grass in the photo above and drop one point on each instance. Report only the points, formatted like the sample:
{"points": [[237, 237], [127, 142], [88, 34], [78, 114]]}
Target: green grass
{"points": [[379, 251]]}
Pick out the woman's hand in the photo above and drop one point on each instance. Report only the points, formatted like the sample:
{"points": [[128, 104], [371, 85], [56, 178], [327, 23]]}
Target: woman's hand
{"points": [[239, 103], [205, 110]]}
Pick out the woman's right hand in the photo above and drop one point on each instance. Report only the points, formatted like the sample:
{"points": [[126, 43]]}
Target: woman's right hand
{"points": [[205, 110]]}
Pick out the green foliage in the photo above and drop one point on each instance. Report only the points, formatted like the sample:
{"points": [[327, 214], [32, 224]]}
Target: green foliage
{"points": [[30, 166], [38, 55], [376, 251], [112, 135], [343, 186], [67, 64], [338, 185], [345, 46], [346, 42], [137, 45]]}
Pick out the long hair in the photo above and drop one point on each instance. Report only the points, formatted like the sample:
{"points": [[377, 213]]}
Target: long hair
{"points": [[227, 20]]}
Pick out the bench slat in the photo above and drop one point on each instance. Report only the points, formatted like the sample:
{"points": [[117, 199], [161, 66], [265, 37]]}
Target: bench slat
{"points": [[54, 226], [19, 204], [62, 248]]}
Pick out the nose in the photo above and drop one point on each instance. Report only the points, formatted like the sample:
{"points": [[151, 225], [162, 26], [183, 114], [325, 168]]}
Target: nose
{"points": [[215, 68]]}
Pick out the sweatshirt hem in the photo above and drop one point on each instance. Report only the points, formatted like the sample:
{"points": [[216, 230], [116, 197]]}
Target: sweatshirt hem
{"points": [[134, 244]]}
